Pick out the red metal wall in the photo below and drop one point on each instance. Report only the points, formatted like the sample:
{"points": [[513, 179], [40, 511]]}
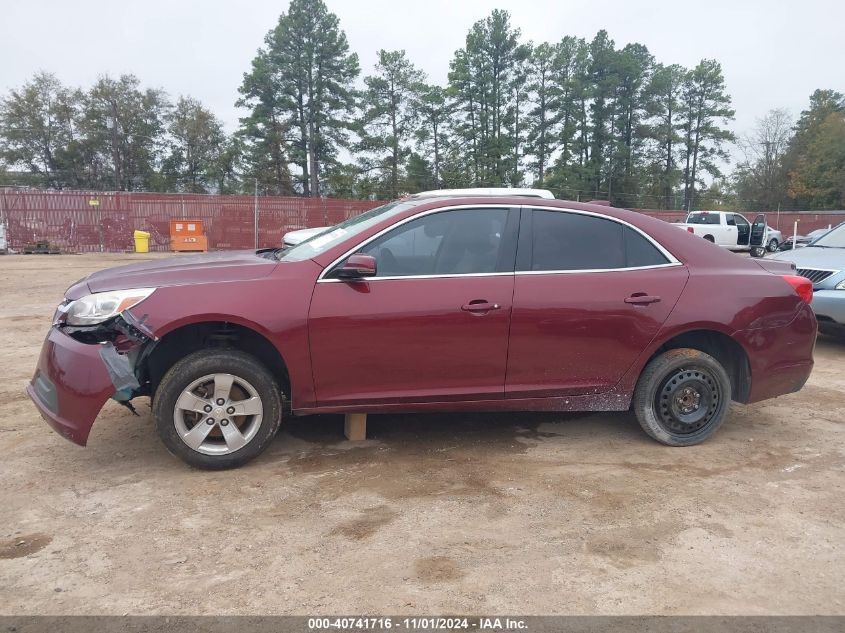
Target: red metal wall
{"points": [[807, 220], [68, 220]]}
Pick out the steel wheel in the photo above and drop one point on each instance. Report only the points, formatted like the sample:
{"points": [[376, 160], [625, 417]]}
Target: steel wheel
{"points": [[688, 400], [218, 414]]}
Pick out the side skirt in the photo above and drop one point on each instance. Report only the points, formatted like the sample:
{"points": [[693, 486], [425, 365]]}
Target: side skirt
{"points": [[591, 402]]}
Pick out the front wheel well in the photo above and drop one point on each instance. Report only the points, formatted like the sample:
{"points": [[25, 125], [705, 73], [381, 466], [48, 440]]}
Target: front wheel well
{"points": [[210, 335], [724, 349]]}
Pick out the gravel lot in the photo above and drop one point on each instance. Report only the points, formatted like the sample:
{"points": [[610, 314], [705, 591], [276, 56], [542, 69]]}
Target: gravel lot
{"points": [[517, 513]]}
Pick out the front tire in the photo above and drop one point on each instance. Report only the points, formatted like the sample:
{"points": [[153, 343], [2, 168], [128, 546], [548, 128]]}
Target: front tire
{"points": [[217, 409], [682, 397], [773, 245]]}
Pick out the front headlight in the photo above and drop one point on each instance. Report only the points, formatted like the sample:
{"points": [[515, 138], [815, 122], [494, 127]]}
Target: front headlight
{"points": [[840, 285], [101, 306]]}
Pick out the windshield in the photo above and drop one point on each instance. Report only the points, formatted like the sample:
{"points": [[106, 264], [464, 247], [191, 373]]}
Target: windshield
{"points": [[323, 241], [835, 238], [703, 218]]}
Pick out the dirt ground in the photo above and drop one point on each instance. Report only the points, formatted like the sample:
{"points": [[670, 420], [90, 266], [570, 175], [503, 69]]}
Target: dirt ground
{"points": [[436, 514]]}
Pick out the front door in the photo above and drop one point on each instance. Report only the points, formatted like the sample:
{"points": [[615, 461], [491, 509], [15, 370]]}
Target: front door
{"points": [[431, 325], [743, 230], [590, 294], [758, 231]]}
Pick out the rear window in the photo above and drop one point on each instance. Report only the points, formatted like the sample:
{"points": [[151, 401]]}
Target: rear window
{"points": [[570, 241], [703, 218]]}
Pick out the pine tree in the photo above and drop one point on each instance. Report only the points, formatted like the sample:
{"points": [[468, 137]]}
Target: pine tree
{"points": [[432, 139], [390, 115], [265, 133], [481, 83], [568, 175], [633, 66], [300, 89], [706, 107], [663, 103], [544, 117]]}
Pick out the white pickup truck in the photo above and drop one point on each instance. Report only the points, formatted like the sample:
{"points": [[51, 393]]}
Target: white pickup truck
{"points": [[729, 230]]}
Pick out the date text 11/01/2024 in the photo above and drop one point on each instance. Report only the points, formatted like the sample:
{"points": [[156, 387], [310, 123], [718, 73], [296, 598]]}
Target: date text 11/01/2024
{"points": [[424, 623]]}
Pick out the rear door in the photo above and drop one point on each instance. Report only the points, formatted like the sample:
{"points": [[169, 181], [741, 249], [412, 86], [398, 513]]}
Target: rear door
{"points": [[590, 293]]}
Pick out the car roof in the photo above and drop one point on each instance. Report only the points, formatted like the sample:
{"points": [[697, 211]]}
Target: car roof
{"points": [[485, 191], [685, 247]]}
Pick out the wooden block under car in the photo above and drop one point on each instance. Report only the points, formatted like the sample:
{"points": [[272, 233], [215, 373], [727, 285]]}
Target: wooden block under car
{"points": [[355, 427]]}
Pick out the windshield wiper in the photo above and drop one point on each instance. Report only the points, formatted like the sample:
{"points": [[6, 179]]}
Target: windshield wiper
{"points": [[267, 253]]}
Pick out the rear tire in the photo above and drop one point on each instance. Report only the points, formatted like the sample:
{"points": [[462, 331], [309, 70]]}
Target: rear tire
{"points": [[682, 397], [217, 409], [773, 245], [710, 239]]}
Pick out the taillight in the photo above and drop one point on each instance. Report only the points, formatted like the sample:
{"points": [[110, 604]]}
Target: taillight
{"points": [[690, 229], [801, 285]]}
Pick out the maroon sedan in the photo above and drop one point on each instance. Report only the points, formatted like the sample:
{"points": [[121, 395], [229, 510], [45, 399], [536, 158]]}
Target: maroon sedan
{"points": [[432, 304]]}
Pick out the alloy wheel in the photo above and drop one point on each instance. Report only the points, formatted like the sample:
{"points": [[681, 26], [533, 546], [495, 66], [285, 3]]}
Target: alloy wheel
{"points": [[218, 414]]}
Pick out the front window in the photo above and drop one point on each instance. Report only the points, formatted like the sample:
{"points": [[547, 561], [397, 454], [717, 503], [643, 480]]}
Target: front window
{"points": [[835, 238], [455, 242], [320, 243], [703, 218]]}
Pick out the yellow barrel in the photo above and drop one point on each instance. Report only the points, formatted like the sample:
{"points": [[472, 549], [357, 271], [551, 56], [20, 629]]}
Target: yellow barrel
{"points": [[142, 241]]}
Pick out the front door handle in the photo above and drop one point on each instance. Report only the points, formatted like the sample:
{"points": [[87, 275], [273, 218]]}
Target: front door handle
{"points": [[477, 306], [641, 299]]}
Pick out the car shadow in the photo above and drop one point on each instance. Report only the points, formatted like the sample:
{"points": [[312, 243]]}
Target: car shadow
{"points": [[129, 445], [832, 343], [511, 431]]}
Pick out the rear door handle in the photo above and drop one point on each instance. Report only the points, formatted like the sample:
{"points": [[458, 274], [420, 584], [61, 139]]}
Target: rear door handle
{"points": [[642, 299], [479, 305]]}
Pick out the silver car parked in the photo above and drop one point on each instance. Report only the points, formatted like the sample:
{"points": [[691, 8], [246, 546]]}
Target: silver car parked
{"points": [[823, 262]]}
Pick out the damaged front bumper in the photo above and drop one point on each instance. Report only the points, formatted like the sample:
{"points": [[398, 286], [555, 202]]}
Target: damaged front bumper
{"points": [[74, 379]]}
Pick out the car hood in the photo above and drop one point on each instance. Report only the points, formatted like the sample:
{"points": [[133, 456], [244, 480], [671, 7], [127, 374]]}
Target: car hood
{"points": [[814, 257], [177, 270]]}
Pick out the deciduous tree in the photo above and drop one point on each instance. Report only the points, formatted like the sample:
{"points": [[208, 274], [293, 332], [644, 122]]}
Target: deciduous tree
{"points": [[816, 156], [124, 125], [195, 146], [39, 131], [761, 178]]}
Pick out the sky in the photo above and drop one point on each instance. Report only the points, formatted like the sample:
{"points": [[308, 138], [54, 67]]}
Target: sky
{"points": [[773, 53]]}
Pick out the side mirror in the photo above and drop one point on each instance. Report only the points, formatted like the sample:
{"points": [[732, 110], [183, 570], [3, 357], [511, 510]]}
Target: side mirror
{"points": [[357, 266]]}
